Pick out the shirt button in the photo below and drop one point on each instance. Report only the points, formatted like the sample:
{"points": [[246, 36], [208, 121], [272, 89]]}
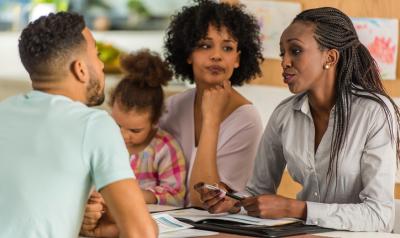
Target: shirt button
{"points": [[315, 194]]}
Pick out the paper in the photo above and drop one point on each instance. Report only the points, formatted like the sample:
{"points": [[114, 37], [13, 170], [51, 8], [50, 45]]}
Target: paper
{"points": [[187, 233], [160, 208], [273, 18], [167, 223], [380, 36], [199, 215]]}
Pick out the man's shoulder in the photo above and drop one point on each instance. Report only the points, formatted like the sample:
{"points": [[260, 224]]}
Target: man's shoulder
{"points": [[10, 100]]}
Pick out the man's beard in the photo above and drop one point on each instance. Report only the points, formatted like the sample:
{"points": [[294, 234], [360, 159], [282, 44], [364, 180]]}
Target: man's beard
{"points": [[94, 93]]}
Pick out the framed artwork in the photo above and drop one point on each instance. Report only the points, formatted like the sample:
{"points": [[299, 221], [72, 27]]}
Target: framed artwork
{"points": [[380, 36], [273, 18]]}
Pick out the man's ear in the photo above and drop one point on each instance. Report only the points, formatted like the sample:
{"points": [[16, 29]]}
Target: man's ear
{"points": [[80, 70]]}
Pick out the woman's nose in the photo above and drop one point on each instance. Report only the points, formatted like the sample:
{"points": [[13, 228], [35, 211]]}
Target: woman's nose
{"points": [[286, 62], [215, 55]]}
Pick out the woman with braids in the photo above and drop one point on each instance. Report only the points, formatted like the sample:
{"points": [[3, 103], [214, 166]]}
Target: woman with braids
{"points": [[214, 45], [338, 136]]}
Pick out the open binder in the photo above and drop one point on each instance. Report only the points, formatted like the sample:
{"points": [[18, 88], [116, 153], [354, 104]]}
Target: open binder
{"points": [[297, 228], [220, 224]]}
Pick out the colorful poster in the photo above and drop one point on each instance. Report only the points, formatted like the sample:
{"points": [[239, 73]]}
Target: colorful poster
{"points": [[273, 17], [380, 36]]}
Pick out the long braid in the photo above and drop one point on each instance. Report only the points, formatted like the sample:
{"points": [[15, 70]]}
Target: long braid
{"points": [[357, 73]]}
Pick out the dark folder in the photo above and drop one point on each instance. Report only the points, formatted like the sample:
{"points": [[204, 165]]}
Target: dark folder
{"points": [[297, 228]]}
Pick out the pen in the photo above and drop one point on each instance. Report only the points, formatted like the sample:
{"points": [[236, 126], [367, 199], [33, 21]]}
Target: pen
{"points": [[231, 195]]}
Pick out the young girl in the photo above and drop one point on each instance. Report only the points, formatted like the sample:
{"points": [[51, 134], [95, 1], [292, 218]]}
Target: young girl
{"points": [[137, 104]]}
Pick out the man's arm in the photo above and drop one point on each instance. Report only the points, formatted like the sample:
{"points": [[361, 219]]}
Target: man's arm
{"points": [[125, 202]]}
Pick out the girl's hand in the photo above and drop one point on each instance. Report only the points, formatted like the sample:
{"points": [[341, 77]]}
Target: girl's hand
{"points": [[215, 201], [274, 206], [215, 100]]}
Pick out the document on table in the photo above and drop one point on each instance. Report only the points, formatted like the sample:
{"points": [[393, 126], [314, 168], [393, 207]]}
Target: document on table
{"points": [[168, 226], [167, 223], [187, 233], [200, 215], [160, 208]]}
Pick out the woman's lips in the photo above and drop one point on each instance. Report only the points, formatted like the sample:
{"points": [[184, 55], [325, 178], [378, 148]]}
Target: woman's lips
{"points": [[215, 69], [287, 78]]}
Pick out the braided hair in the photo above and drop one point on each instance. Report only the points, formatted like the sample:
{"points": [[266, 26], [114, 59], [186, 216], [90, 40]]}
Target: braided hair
{"points": [[357, 73]]}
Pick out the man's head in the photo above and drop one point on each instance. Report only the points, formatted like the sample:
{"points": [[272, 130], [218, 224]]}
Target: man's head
{"points": [[58, 47]]}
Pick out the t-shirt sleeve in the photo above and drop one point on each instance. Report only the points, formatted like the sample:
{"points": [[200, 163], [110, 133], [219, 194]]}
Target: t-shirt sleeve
{"points": [[105, 151]]}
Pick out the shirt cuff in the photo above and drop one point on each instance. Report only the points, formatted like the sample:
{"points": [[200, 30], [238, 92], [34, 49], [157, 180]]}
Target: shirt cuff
{"points": [[316, 211]]}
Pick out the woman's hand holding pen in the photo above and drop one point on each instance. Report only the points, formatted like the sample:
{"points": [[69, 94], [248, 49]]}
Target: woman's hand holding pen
{"points": [[215, 201], [263, 206]]}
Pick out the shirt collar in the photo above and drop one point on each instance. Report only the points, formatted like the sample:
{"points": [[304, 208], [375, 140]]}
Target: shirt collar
{"points": [[301, 103], [41, 94]]}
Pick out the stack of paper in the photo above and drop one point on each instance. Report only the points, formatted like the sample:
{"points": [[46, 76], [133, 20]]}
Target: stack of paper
{"points": [[167, 223], [199, 215], [170, 227]]}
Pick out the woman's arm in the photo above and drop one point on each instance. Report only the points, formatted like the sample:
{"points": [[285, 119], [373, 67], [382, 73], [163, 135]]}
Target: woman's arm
{"points": [[267, 172], [214, 101]]}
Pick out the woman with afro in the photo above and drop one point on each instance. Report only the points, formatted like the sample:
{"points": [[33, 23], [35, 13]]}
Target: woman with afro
{"points": [[215, 46]]}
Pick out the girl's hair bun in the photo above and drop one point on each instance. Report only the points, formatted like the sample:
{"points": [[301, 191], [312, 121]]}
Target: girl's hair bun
{"points": [[146, 68]]}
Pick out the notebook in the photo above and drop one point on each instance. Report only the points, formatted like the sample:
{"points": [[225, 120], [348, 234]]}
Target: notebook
{"points": [[242, 224]]}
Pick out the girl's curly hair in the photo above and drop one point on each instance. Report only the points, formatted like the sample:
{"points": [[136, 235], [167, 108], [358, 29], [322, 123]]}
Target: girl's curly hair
{"points": [[141, 86]]}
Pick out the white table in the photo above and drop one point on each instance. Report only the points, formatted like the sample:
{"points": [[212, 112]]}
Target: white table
{"points": [[345, 234], [348, 234]]}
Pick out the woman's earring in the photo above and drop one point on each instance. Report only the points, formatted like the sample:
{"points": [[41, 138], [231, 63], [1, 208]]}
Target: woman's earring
{"points": [[326, 66]]}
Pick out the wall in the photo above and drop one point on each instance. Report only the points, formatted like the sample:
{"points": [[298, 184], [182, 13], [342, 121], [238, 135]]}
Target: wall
{"points": [[354, 8], [12, 69]]}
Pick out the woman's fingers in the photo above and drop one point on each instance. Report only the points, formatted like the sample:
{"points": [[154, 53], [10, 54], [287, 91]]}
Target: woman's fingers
{"points": [[222, 205], [205, 193]]}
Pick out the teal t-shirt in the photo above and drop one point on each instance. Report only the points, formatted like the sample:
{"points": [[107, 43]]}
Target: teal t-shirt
{"points": [[52, 151]]}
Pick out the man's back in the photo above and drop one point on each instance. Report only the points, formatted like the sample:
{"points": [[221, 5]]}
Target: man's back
{"points": [[51, 152]]}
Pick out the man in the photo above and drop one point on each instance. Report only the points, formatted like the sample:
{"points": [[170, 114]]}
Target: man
{"points": [[53, 147]]}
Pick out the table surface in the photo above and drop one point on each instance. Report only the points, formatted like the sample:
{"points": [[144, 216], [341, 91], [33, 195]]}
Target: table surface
{"points": [[345, 234]]}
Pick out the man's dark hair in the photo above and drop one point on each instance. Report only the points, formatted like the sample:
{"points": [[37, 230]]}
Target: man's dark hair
{"points": [[46, 44], [191, 25]]}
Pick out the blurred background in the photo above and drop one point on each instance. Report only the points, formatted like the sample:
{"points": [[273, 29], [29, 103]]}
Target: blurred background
{"points": [[99, 14], [119, 26]]}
